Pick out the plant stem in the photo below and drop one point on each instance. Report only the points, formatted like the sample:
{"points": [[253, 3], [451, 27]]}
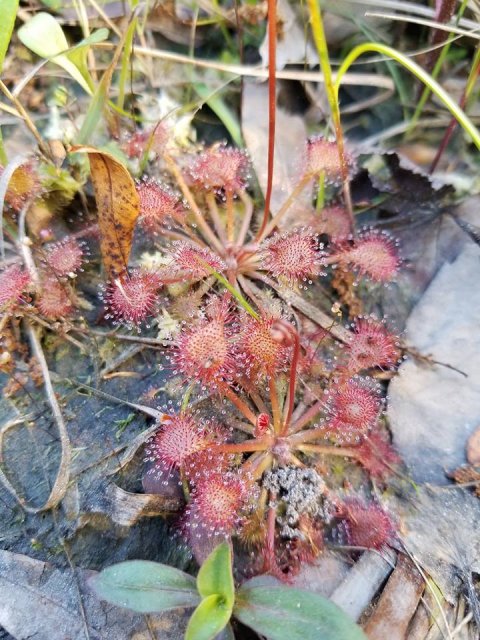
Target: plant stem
{"points": [[230, 215], [248, 446], [304, 419], [247, 216], [472, 78], [272, 100], [418, 72], [292, 382], [187, 194], [332, 95], [215, 216], [297, 190], [344, 452], [436, 70], [272, 388], [241, 406]]}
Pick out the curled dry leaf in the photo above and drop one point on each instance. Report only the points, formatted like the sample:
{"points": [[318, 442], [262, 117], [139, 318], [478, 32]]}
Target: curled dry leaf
{"points": [[118, 208]]}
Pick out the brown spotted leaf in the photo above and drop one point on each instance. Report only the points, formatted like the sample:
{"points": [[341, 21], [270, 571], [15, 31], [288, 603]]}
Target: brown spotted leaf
{"points": [[117, 205]]}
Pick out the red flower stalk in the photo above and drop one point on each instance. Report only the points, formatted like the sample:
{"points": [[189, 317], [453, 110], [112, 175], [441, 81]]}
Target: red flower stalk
{"points": [[13, 282], [205, 351], [157, 204], [64, 258], [371, 346], [323, 157], [217, 501], [295, 256], [373, 254], [367, 524], [132, 299], [221, 168], [55, 300], [352, 411]]}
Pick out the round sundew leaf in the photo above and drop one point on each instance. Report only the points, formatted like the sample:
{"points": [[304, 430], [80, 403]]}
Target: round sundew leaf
{"points": [[208, 619], [215, 575], [283, 613], [146, 587]]}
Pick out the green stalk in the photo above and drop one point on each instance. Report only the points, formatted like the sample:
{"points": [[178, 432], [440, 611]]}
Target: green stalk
{"points": [[235, 293], [436, 70], [127, 52], [419, 73], [320, 40]]}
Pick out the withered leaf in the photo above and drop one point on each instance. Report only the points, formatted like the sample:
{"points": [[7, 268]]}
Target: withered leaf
{"points": [[117, 205]]}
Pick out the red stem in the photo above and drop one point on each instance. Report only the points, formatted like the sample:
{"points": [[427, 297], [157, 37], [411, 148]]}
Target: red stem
{"points": [[272, 99], [262, 444]]}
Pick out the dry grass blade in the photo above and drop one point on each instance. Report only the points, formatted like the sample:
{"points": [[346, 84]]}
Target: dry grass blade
{"points": [[474, 33], [357, 79]]}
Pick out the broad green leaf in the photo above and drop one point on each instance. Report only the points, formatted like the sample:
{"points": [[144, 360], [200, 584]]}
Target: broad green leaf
{"points": [[283, 613], [9, 12], [146, 587], [208, 619], [215, 575], [44, 36]]}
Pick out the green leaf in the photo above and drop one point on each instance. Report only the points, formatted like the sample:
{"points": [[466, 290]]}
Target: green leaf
{"points": [[146, 587], [44, 36], [215, 575], [283, 613], [208, 619], [9, 12]]}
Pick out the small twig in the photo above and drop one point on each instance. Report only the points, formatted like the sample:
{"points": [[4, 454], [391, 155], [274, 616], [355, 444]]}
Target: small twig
{"points": [[429, 360]]}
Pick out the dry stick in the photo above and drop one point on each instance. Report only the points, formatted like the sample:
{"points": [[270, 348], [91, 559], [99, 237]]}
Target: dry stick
{"points": [[315, 315], [63, 475], [205, 229], [61, 481], [272, 104]]}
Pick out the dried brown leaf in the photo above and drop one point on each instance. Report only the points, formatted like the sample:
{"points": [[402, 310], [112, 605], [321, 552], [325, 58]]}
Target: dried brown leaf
{"points": [[118, 208]]}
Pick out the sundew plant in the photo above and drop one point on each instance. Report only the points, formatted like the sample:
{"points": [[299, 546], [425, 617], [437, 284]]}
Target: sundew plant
{"points": [[275, 435]]}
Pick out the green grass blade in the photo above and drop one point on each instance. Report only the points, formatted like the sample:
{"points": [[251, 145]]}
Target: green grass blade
{"points": [[222, 111], [419, 73], [9, 12]]}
